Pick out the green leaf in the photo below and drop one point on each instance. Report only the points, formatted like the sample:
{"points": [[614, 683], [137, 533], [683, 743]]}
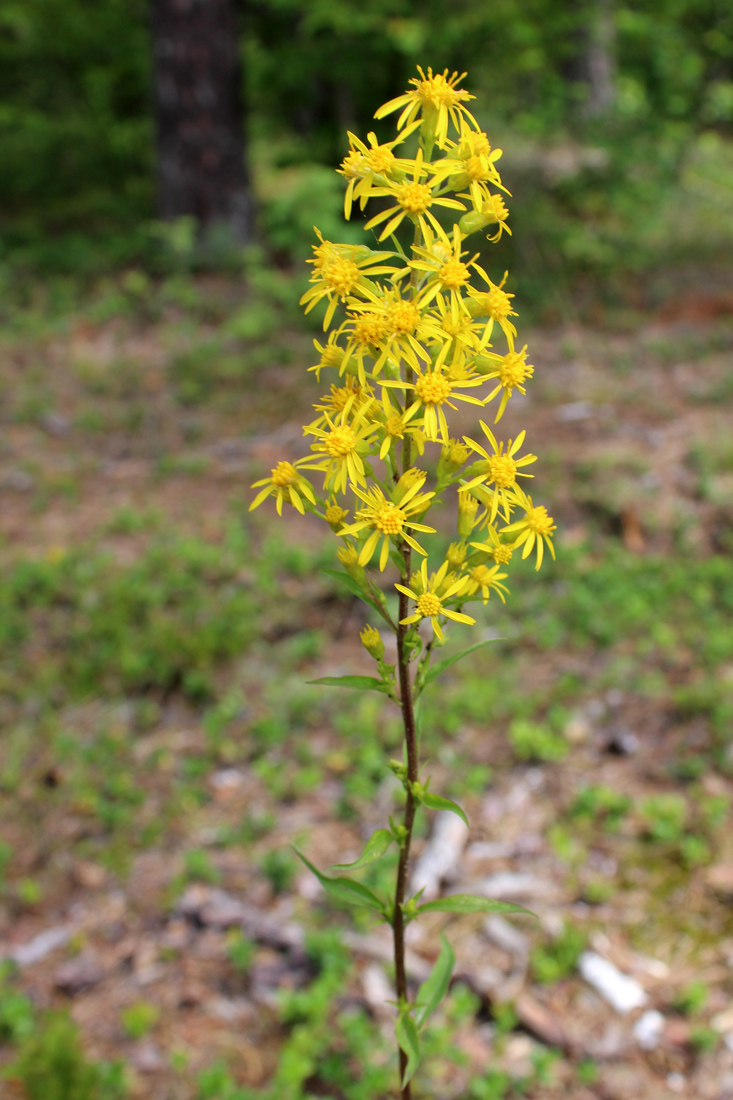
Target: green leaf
{"points": [[432, 991], [409, 1040], [376, 846], [351, 584], [470, 903], [343, 889], [437, 802], [362, 683], [442, 666]]}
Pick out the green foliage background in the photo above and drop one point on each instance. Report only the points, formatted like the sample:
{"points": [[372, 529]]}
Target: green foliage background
{"points": [[77, 188]]}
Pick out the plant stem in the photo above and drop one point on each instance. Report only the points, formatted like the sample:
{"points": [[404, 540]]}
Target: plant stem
{"points": [[408, 718]]}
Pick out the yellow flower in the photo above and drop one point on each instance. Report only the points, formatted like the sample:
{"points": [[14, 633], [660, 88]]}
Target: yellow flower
{"points": [[365, 165], [413, 199], [471, 163], [430, 600], [455, 323], [341, 270], [418, 319], [337, 400], [485, 578], [335, 515], [511, 370], [364, 334], [387, 519], [434, 389], [500, 469], [285, 483], [396, 325], [394, 426], [445, 269], [495, 303], [343, 442], [536, 528], [491, 211], [463, 368], [500, 551], [436, 99], [330, 355]]}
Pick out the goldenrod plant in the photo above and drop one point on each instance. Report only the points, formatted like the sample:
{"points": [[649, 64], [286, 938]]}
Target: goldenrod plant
{"points": [[410, 334]]}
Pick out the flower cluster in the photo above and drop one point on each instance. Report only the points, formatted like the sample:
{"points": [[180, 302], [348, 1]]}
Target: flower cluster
{"points": [[410, 331]]}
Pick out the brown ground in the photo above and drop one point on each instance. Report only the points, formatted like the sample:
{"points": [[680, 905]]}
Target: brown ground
{"points": [[615, 417]]}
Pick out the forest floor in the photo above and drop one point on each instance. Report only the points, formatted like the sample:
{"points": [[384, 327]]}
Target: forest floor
{"points": [[161, 748]]}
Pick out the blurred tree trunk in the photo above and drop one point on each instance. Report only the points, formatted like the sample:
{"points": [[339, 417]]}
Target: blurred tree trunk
{"points": [[601, 59], [202, 168]]}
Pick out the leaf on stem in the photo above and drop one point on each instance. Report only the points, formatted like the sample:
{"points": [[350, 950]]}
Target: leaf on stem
{"points": [[343, 889], [376, 846], [362, 683], [442, 666], [470, 903], [432, 991], [437, 802], [409, 1040], [397, 560]]}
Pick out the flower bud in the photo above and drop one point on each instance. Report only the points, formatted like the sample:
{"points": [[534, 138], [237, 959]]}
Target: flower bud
{"points": [[475, 220], [416, 582], [417, 790], [409, 909], [410, 478], [371, 639], [467, 508], [349, 558], [335, 516], [477, 306], [452, 456], [331, 355], [399, 769], [456, 555]]}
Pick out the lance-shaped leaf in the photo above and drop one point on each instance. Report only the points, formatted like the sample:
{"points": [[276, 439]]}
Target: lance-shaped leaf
{"points": [[446, 663], [376, 846], [360, 683], [432, 991], [437, 802], [343, 889], [409, 1040], [470, 903]]}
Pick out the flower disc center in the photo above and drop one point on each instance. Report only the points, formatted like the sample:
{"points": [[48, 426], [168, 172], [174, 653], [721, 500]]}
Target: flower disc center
{"points": [[284, 474], [428, 604], [502, 470], [433, 389], [390, 519], [340, 442]]}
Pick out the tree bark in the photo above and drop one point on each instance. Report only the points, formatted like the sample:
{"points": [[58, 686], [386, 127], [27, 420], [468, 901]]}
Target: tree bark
{"points": [[202, 169], [600, 59]]}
